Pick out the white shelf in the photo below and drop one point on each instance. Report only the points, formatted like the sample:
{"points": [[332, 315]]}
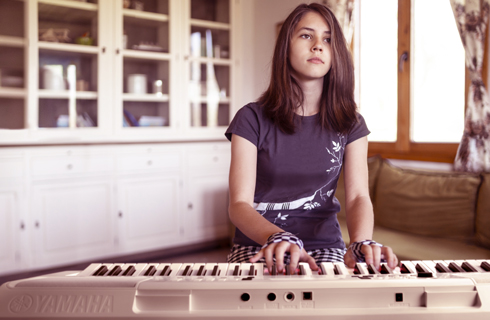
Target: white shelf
{"points": [[145, 97], [12, 92], [12, 41], [68, 47], [58, 94], [69, 4], [215, 61], [210, 24], [151, 55], [144, 15]]}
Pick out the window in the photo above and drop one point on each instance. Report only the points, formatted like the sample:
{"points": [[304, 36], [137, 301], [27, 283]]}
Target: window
{"points": [[412, 78]]}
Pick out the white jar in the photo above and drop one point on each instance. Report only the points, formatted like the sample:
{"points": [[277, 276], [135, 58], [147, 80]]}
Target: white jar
{"points": [[137, 83]]}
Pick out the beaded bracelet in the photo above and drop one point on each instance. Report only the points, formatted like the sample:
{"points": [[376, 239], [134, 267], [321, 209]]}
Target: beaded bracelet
{"points": [[356, 248], [284, 236]]}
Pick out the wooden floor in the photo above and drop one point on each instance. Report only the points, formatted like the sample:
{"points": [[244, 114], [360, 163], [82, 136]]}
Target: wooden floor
{"points": [[215, 252]]}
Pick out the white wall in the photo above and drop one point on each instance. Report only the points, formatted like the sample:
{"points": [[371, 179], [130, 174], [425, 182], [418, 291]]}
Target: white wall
{"points": [[260, 18]]}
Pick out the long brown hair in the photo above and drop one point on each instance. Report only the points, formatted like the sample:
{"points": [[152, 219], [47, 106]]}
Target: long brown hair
{"points": [[284, 95]]}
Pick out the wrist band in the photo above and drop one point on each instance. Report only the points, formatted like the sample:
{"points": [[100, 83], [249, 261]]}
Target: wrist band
{"points": [[284, 236], [356, 248]]}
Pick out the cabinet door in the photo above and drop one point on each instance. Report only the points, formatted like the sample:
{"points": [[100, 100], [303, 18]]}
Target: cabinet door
{"points": [[72, 222], [149, 212], [210, 63], [12, 62], [207, 207], [143, 61], [207, 214], [10, 229]]}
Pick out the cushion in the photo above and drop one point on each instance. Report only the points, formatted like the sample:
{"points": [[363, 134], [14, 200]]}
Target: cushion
{"points": [[483, 212], [374, 163], [440, 204]]}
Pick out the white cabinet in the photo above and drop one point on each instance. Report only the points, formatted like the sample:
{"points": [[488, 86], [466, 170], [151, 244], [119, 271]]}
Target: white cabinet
{"points": [[100, 72], [12, 199], [207, 207], [72, 222], [65, 204], [149, 197], [71, 204]]}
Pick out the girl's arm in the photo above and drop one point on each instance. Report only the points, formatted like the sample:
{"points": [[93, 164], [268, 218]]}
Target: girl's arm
{"points": [[359, 209], [242, 179]]}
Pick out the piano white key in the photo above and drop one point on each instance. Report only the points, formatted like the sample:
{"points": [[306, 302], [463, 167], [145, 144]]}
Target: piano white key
{"points": [[89, 271], [362, 268], [208, 269], [245, 269], [410, 267], [149, 270], [222, 269], [442, 264], [455, 265], [184, 269], [139, 269], [430, 266], [341, 268], [174, 269], [327, 268], [259, 269], [233, 270], [305, 269], [196, 268], [478, 264]]}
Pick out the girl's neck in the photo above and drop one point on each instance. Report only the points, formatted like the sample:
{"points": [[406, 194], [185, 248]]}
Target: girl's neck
{"points": [[312, 92]]}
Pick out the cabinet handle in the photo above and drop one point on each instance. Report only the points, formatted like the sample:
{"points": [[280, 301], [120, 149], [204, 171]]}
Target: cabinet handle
{"points": [[189, 205], [117, 51], [150, 162], [69, 166], [22, 225], [103, 49], [120, 214], [36, 224]]}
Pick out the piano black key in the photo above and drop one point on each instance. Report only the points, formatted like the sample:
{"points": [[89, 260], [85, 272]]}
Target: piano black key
{"points": [[337, 270], [101, 271], [372, 269], [115, 271], [404, 269], [455, 268], [357, 269], [485, 266], [151, 271], [420, 268], [252, 272], [236, 271], [215, 271], [129, 271], [468, 267], [200, 271], [273, 272], [442, 268], [385, 269], [164, 271], [186, 270]]}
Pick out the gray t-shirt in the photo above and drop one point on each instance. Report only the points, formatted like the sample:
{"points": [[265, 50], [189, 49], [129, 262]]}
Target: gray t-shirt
{"points": [[296, 175]]}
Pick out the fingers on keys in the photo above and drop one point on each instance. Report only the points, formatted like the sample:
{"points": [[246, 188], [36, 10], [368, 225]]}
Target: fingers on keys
{"points": [[373, 254]]}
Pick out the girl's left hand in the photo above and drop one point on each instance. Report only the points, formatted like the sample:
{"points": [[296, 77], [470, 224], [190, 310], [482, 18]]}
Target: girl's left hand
{"points": [[373, 254]]}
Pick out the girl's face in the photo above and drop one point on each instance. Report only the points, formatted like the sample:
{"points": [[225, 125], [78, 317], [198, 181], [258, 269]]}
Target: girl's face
{"points": [[310, 53]]}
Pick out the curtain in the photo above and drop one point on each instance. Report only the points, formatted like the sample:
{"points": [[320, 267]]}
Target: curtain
{"points": [[343, 9], [474, 150]]}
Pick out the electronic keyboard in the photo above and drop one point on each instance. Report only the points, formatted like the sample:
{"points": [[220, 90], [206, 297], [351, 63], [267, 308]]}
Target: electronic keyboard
{"points": [[457, 289]]}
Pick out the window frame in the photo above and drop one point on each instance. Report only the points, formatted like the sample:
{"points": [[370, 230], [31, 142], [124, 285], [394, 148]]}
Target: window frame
{"points": [[403, 147]]}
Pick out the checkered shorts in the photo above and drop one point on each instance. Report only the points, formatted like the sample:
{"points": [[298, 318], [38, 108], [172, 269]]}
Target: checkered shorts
{"points": [[245, 253]]}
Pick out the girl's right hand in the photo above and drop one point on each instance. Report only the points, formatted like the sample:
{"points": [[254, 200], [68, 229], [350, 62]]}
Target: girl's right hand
{"points": [[278, 250]]}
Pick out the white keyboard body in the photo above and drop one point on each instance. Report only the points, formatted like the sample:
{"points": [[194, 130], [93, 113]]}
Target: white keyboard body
{"points": [[416, 290]]}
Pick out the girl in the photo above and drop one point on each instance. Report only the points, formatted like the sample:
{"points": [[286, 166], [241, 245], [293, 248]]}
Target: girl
{"points": [[289, 147]]}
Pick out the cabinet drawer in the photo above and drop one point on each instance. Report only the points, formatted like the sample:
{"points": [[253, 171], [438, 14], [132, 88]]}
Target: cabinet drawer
{"points": [[213, 159], [148, 162], [62, 165]]}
